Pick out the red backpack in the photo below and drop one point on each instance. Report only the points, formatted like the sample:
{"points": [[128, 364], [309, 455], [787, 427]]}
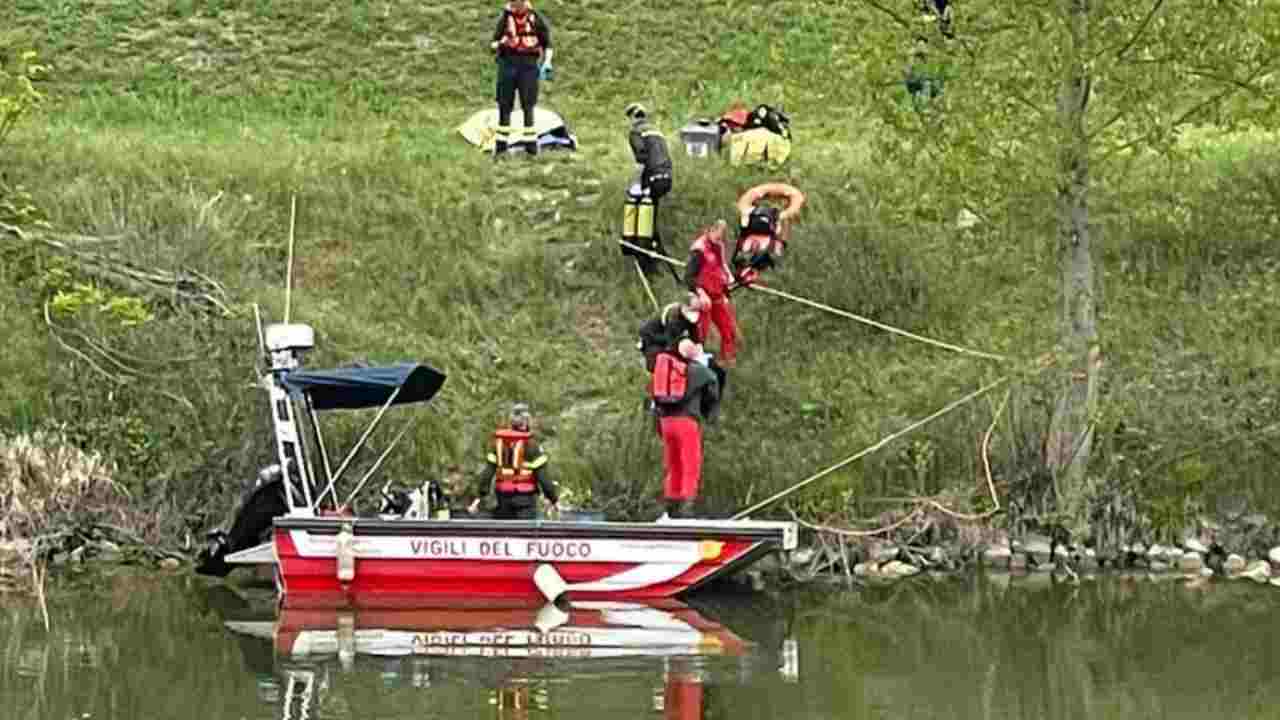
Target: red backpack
{"points": [[670, 379]]}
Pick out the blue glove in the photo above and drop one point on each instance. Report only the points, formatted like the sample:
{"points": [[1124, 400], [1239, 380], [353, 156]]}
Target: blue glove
{"points": [[546, 72]]}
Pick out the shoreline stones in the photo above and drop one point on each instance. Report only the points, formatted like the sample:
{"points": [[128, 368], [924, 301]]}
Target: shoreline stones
{"points": [[1233, 565], [997, 556], [1257, 571], [1193, 560]]}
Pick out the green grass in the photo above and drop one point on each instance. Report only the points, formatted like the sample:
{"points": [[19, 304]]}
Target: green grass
{"points": [[181, 130]]}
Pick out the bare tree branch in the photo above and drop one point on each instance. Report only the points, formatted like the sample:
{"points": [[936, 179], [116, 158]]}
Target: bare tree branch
{"points": [[1142, 27], [1191, 112], [1242, 84], [1232, 86], [889, 11], [13, 230]]}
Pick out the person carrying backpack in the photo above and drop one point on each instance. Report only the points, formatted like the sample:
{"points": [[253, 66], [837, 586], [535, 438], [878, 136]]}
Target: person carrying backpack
{"points": [[649, 149], [764, 231], [654, 178], [685, 392]]}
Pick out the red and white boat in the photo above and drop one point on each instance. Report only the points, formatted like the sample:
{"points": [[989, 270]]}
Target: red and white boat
{"points": [[325, 557]]}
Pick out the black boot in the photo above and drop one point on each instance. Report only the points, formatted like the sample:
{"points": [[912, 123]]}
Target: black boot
{"points": [[499, 150], [679, 509]]}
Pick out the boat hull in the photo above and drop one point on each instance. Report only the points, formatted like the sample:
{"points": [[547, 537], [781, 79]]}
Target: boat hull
{"points": [[396, 561]]}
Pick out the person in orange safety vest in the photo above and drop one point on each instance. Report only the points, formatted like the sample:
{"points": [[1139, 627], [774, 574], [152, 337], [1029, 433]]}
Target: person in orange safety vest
{"points": [[516, 471], [708, 274], [522, 43]]}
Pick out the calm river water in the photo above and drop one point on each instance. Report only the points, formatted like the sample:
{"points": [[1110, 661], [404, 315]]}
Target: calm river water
{"points": [[138, 648]]}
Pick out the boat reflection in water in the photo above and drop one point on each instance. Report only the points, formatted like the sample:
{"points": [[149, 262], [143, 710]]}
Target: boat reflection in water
{"points": [[519, 652]]}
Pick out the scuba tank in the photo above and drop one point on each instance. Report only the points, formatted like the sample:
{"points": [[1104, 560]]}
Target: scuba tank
{"points": [[637, 217]]}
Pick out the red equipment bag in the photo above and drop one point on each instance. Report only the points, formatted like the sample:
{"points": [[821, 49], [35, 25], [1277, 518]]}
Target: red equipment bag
{"points": [[670, 379]]}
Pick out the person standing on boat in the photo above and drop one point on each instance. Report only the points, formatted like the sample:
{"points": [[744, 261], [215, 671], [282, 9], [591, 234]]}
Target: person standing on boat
{"points": [[684, 391], [708, 273], [522, 42], [516, 471]]}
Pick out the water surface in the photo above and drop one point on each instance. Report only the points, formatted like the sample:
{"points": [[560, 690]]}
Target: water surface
{"points": [[136, 647]]}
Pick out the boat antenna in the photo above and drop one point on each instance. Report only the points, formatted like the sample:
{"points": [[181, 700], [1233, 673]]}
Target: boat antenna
{"points": [[262, 340], [288, 278]]}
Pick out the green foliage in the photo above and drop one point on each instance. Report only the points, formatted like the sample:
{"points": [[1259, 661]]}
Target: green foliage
{"points": [[18, 93], [80, 297], [17, 207], [184, 149]]}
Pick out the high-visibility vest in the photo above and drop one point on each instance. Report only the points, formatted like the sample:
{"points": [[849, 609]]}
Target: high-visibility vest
{"points": [[514, 474], [521, 34]]}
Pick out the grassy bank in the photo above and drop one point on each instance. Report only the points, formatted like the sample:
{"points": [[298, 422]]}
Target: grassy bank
{"points": [[180, 131]]}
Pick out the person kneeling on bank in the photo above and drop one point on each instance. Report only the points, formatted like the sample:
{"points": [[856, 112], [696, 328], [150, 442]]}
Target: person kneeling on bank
{"points": [[684, 392], [516, 471]]}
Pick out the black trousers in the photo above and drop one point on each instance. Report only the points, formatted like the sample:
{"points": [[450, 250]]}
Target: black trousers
{"points": [[658, 186], [517, 75], [509, 511]]}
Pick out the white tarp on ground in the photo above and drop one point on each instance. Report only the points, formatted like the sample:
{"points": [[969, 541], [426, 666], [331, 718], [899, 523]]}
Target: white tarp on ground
{"points": [[480, 128]]}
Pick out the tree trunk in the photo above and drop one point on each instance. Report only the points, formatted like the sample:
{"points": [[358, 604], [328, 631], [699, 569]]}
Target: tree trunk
{"points": [[1068, 445]]}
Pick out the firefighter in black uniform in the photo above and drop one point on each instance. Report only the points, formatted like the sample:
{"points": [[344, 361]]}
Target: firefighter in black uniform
{"points": [[522, 41], [649, 148], [516, 471]]}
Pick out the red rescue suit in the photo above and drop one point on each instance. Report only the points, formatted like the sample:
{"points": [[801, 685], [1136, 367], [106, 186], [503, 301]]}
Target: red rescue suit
{"points": [[682, 456], [709, 271], [679, 421], [682, 691]]}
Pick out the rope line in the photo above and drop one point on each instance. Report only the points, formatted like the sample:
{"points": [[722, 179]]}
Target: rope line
{"points": [[741, 514], [648, 290], [921, 503], [837, 311]]}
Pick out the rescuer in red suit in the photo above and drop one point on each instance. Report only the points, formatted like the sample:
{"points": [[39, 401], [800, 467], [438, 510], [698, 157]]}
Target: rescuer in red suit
{"points": [[684, 393], [708, 273]]}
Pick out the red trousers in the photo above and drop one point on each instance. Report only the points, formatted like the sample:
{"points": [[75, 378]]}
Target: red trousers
{"points": [[682, 454], [682, 699], [726, 320]]}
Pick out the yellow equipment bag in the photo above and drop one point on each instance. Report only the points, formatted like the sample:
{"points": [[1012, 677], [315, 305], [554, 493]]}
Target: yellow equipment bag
{"points": [[758, 146]]}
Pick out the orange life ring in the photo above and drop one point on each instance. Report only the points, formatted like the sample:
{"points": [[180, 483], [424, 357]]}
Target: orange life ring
{"points": [[782, 191]]}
